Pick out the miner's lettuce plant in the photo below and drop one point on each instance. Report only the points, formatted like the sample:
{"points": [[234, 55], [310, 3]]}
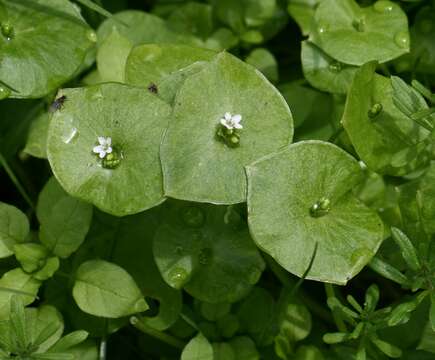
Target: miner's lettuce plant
{"points": [[217, 179]]}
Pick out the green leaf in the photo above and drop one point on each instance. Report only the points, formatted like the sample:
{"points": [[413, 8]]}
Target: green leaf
{"points": [[36, 144], [200, 248], [409, 253], [134, 120], [66, 220], [291, 208], [18, 282], [112, 56], [48, 43], [427, 341], [104, 289], [295, 323], [47, 326], [302, 11], [70, 340], [198, 349], [223, 351], [265, 61], [244, 348], [213, 312], [386, 140], [18, 322], [162, 65], [258, 318], [14, 228], [141, 28], [205, 168], [387, 348], [308, 352], [323, 72], [378, 32], [128, 237], [387, 271], [31, 256], [432, 310]]}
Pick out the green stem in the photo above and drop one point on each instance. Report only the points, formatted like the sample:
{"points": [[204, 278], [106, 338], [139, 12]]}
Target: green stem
{"points": [[17, 184], [168, 339], [341, 326], [102, 353], [311, 304]]}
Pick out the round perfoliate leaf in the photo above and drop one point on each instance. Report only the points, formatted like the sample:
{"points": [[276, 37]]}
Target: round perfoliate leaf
{"points": [[323, 72], [302, 196], [105, 289], [355, 35], [45, 43], [206, 250], [14, 228], [103, 146], [209, 167], [387, 140]]}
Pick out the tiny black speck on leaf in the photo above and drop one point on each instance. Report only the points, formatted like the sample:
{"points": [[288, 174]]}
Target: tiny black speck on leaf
{"points": [[152, 87], [58, 103]]}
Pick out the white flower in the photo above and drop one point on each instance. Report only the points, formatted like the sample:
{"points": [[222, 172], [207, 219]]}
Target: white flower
{"points": [[231, 121], [104, 148]]}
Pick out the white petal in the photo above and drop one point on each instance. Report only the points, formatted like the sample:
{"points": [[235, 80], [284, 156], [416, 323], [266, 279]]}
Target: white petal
{"points": [[102, 154], [238, 126], [227, 116], [97, 149], [108, 141], [237, 118], [223, 122], [109, 150], [102, 140]]}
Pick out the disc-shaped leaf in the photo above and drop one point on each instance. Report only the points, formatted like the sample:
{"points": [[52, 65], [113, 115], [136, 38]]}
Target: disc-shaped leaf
{"points": [[42, 45], [323, 72], [36, 144], [134, 120], [302, 196], [158, 66], [65, 222], [14, 228], [355, 35], [387, 140], [199, 166], [105, 289], [207, 250]]}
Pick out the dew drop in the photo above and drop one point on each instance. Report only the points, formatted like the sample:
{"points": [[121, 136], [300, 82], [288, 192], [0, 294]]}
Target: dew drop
{"points": [[205, 255], [177, 277], [92, 36], [322, 29], [359, 25], [335, 67], [320, 207], [375, 110], [71, 135], [402, 39], [193, 216], [383, 6], [4, 92]]}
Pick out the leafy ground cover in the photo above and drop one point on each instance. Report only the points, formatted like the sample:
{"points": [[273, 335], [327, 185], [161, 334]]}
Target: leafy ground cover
{"points": [[217, 179]]}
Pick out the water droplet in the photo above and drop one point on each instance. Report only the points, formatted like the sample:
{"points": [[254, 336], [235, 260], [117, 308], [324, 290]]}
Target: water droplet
{"points": [[335, 67], [7, 30], [4, 92], [205, 256], [402, 39], [320, 208], [375, 110], [322, 29], [177, 277], [359, 24], [70, 135], [383, 6], [193, 216], [92, 36]]}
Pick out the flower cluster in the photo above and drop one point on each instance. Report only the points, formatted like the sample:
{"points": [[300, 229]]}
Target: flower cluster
{"points": [[228, 129]]}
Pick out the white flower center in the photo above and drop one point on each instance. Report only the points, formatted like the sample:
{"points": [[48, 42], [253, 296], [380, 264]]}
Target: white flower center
{"points": [[104, 147], [231, 121]]}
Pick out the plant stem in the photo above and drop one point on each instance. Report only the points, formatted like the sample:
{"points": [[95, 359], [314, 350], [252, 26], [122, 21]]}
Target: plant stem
{"points": [[168, 339], [103, 349], [17, 184], [341, 326]]}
